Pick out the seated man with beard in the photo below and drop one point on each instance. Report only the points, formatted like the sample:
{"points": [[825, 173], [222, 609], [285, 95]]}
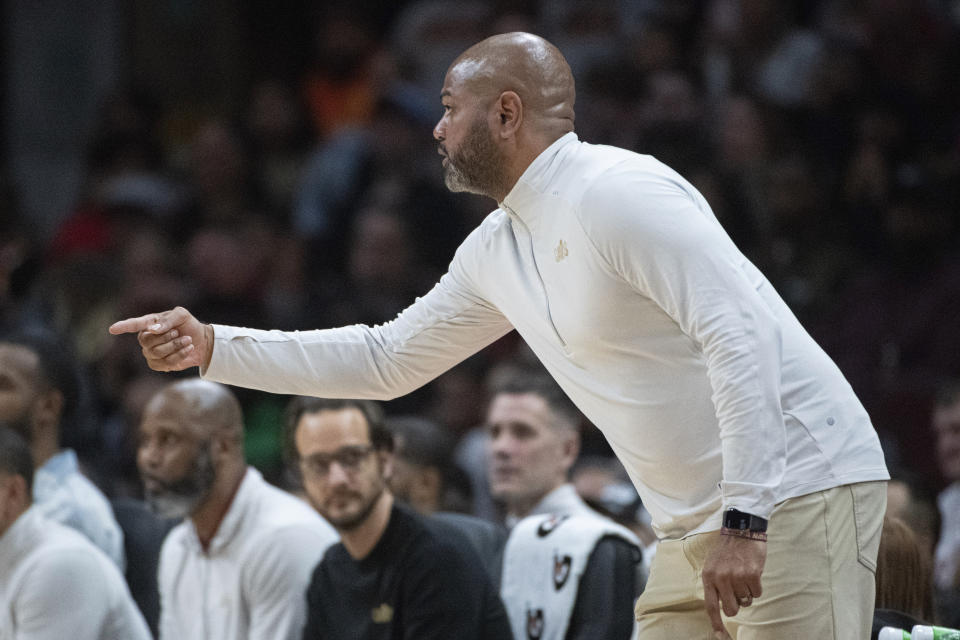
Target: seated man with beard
{"points": [[238, 566], [396, 574]]}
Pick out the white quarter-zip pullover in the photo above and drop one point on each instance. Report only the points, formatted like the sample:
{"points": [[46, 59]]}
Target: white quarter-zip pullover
{"points": [[617, 274]]}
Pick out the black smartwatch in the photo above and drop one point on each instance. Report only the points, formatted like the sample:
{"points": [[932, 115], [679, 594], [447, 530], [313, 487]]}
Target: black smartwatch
{"points": [[740, 521]]}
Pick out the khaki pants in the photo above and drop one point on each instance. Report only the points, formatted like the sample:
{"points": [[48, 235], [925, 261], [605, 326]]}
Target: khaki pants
{"points": [[818, 580]]}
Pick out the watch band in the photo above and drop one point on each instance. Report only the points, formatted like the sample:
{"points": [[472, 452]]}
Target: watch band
{"points": [[741, 521]]}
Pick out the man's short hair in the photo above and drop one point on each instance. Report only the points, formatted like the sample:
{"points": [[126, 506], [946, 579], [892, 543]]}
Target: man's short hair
{"points": [[542, 384], [380, 436], [425, 443], [15, 456], [56, 368]]}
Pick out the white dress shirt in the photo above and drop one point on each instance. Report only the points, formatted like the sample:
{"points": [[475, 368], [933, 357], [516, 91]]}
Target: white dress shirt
{"points": [[251, 583], [65, 495], [56, 585], [618, 276]]}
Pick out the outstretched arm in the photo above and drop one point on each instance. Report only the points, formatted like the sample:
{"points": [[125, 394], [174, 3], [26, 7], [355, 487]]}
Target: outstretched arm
{"points": [[447, 325], [171, 340]]}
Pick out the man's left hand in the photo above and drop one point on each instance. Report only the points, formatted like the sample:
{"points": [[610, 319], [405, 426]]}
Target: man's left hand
{"points": [[731, 577]]}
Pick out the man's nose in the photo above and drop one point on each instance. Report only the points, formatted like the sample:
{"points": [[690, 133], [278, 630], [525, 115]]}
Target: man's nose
{"points": [[148, 456], [501, 446], [438, 131], [337, 474]]}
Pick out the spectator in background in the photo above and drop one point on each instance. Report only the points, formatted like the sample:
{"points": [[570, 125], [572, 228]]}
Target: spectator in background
{"points": [[126, 180], [946, 572], [220, 175], [382, 270], [343, 83], [230, 265], [422, 466], [40, 400], [425, 477], [429, 33], [534, 441], [913, 504], [394, 574], [280, 137], [356, 169], [904, 579], [18, 255], [54, 583], [238, 565]]}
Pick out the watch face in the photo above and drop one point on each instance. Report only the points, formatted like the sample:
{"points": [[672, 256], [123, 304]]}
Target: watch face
{"points": [[734, 519]]}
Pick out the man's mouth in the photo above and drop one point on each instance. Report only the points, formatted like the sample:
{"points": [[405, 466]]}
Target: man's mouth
{"points": [[343, 498], [152, 485], [504, 472]]}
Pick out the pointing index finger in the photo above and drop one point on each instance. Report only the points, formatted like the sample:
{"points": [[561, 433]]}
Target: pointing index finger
{"points": [[149, 323]]}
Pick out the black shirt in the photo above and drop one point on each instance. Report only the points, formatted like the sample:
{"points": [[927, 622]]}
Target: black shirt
{"points": [[608, 589], [420, 582]]}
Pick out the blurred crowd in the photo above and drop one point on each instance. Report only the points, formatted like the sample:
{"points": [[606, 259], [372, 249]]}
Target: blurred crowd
{"points": [[824, 134]]}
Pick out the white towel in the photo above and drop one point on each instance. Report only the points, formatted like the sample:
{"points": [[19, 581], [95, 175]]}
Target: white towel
{"points": [[543, 560]]}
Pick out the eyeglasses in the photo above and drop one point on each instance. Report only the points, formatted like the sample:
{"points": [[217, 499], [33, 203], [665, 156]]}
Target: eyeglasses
{"points": [[349, 458]]}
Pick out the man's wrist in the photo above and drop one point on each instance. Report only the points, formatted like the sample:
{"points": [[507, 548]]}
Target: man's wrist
{"points": [[208, 338], [760, 536]]}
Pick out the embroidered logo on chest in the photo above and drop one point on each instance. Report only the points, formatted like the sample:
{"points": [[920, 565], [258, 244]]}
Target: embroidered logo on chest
{"points": [[561, 251]]}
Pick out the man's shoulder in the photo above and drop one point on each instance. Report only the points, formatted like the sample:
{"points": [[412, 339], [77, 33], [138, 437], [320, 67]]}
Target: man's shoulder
{"points": [[442, 541], [282, 524], [619, 197], [334, 566], [277, 508], [601, 171], [61, 550], [62, 497], [335, 556]]}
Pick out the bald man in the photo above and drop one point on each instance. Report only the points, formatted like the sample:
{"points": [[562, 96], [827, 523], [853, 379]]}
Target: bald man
{"points": [[616, 273], [238, 566]]}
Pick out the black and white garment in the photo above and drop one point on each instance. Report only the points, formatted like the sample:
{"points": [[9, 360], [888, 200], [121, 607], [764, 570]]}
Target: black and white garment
{"points": [[544, 560]]}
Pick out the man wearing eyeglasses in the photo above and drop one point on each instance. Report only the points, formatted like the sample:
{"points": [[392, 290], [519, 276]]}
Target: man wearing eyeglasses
{"points": [[238, 565], [395, 574]]}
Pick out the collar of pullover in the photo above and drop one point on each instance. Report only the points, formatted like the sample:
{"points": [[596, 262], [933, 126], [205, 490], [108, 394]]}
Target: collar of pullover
{"points": [[523, 198]]}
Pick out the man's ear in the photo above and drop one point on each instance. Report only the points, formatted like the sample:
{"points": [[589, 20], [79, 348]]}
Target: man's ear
{"points": [[385, 460], [13, 489], [224, 442], [429, 480], [51, 406], [509, 114], [571, 446]]}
